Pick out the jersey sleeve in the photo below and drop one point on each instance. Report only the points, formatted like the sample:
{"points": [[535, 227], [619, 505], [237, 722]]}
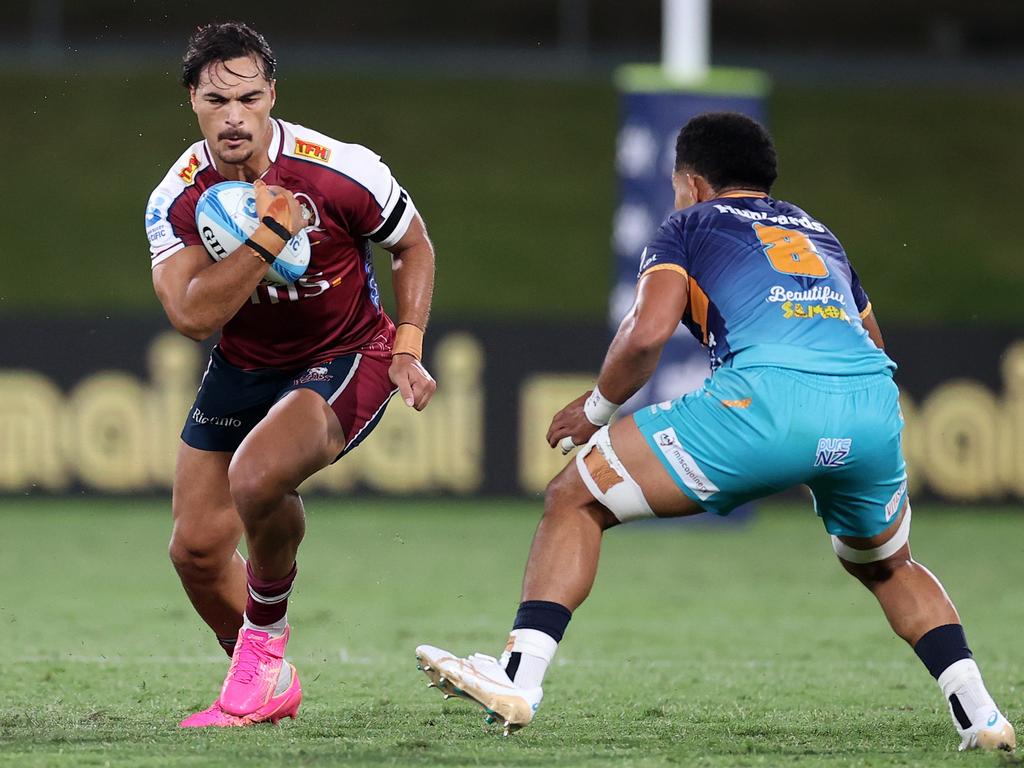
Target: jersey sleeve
{"points": [[384, 211], [860, 296], [665, 250], [170, 225]]}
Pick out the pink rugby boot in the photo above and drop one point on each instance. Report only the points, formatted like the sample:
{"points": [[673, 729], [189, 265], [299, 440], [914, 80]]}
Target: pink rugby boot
{"points": [[255, 669], [281, 705]]}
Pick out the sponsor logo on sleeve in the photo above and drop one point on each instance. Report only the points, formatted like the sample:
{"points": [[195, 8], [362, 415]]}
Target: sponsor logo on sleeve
{"points": [[157, 233], [313, 151], [647, 261], [154, 213], [684, 464], [188, 173], [832, 451]]}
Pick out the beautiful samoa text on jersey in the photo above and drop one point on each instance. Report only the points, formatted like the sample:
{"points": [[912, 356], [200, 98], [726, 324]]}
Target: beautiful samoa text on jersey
{"points": [[768, 285], [334, 309]]}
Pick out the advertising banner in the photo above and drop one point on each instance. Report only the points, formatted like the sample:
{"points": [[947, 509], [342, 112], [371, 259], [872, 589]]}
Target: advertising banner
{"points": [[96, 405], [653, 111]]}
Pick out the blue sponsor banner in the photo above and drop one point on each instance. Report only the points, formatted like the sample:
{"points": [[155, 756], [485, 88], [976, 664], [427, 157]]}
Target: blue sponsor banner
{"points": [[653, 111]]}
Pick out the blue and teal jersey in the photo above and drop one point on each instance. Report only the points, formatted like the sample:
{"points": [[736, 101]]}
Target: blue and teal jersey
{"points": [[768, 284]]}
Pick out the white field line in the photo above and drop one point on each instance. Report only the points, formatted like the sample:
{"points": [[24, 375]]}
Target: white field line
{"points": [[346, 658]]}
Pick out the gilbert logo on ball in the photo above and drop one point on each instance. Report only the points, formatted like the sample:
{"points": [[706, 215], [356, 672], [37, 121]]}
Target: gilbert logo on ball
{"points": [[226, 217]]}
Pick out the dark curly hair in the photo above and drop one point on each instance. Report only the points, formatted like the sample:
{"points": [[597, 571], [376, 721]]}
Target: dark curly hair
{"points": [[222, 42], [729, 150]]}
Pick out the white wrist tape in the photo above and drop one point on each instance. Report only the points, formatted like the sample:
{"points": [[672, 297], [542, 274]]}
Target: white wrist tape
{"points": [[599, 409]]}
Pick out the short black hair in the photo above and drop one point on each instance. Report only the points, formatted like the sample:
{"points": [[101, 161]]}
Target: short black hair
{"points": [[224, 41], [729, 150]]}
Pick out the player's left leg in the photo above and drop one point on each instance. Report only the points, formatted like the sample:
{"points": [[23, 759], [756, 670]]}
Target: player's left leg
{"points": [[920, 611], [614, 479]]}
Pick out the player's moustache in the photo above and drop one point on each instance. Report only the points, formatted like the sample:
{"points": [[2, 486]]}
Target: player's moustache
{"points": [[230, 135]]}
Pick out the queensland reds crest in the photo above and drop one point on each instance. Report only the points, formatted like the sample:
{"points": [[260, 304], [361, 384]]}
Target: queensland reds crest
{"points": [[309, 207]]}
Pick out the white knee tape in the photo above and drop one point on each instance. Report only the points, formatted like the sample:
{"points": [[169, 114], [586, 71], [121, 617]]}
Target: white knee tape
{"points": [[625, 499], [851, 555]]}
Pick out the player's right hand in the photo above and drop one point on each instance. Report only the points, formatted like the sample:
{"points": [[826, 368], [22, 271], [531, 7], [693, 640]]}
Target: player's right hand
{"points": [[279, 204], [571, 422]]}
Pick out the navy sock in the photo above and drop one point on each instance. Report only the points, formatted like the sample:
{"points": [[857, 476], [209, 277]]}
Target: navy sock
{"points": [[549, 618], [542, 616], [942, 646]]}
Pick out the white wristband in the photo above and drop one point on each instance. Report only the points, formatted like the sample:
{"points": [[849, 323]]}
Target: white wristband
{"points": [[599, 409]]}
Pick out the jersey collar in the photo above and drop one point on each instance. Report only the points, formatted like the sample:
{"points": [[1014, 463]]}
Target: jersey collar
{"points": [[743, 193], [274, 150]]}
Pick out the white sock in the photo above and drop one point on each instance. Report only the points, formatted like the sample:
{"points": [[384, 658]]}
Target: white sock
{"points": [[963, 680], [274, 630], [536, 649]]}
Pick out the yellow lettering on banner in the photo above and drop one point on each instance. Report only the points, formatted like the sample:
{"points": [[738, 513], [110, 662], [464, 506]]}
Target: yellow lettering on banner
{"points": [[960, 422], [116, 432], [106, 432], [1011, 446], [540, 398], [30, 414], [913, 450], [175, 367], [437, 449]]}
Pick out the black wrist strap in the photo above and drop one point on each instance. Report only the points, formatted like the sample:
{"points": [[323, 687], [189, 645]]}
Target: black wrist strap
{"points": [[277, 228], [262, 252]]}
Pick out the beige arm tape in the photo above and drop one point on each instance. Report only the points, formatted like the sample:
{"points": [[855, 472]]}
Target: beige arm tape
{"points": [[408, 341]]}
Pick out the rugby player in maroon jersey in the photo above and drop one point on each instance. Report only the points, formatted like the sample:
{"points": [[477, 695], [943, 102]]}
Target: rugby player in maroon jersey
{"points": [[301, 374]]}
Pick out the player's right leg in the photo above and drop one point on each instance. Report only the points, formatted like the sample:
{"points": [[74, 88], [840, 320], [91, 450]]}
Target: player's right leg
{"points": [[614, 479], [204, 541]]}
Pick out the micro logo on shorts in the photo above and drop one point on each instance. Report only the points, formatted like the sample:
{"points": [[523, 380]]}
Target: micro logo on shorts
{"points": [[832, 451], [684, 464], [319, 373], [218, 421]]}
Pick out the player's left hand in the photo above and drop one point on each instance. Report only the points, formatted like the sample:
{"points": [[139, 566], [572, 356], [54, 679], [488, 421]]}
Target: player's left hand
{"points": [[414, 382], [571, 422], [279, 204]]}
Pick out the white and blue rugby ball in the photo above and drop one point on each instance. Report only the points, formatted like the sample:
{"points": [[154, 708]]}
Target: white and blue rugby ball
{"points": [[226, 217]]}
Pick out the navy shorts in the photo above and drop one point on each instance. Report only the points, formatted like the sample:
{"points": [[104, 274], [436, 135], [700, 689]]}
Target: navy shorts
{"points": [[232, 401]]}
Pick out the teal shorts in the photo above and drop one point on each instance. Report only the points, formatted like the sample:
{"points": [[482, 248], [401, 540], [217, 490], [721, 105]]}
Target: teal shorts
{"points": [[751, 432]]}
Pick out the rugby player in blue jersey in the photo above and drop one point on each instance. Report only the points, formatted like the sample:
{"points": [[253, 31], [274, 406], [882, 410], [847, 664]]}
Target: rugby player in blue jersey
{"points": [[801, 393]]}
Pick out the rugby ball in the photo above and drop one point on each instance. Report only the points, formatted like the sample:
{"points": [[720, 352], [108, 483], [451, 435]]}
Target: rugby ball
{"points": [[226, 217]]}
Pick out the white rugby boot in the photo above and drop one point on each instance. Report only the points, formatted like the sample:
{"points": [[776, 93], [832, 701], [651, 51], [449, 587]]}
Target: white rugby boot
{"points": [[481, 679], [993, 731]]}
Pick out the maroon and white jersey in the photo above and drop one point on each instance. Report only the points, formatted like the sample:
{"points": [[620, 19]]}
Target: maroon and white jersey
{"points": [[334, 309]]}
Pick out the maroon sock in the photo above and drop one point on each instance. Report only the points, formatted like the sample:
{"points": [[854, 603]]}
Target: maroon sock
{"points": [[268, 600]]}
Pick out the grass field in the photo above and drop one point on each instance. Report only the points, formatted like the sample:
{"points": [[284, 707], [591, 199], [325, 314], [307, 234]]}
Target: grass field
{"points": [[701, 645]]}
